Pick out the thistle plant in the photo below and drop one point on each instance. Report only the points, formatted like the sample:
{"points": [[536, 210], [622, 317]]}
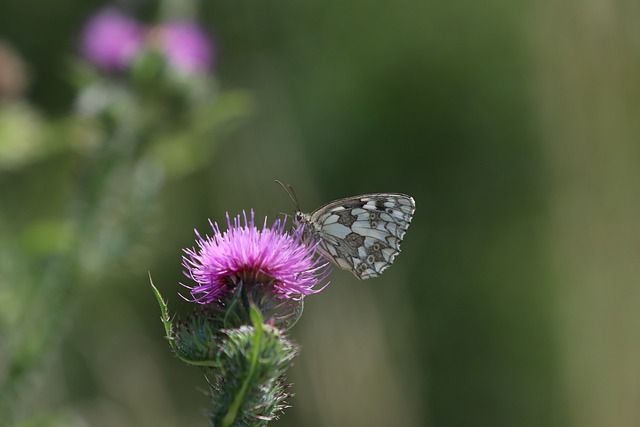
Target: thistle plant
{"points": [[247, 285]]}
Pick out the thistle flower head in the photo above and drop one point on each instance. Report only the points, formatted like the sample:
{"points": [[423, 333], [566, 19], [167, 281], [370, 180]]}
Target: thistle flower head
{"points": [[112, 40], [186, 47], [255, 257]]}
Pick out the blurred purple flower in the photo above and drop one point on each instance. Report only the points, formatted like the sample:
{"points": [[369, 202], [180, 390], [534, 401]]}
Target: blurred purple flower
{"points": [[112, 40], [246, 254], [186, 47]]}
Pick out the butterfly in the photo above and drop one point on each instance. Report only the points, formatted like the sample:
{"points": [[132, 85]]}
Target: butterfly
{"points": [[361, 234]]}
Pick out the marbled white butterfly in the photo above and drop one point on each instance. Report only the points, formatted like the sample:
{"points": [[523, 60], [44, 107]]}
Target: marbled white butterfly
{"points": [[361, 234]]}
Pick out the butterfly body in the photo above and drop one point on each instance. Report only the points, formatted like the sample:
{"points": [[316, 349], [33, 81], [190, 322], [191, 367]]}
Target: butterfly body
{"points": [[361, 234]]}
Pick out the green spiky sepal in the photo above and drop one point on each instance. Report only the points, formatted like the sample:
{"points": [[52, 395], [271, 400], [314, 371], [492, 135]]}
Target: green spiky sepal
{"points": [[245, 364]]}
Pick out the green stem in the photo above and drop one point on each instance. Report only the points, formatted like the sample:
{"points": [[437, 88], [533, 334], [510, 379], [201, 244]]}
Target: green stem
{"points": [[44, 327], [232, 414]]}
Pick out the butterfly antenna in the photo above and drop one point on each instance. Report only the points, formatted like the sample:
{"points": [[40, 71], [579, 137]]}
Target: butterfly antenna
{"points": [[289, 189]]}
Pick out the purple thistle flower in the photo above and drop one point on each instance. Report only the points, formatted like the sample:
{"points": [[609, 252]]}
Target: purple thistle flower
{"points": [[186, 47], [112, 40], [254, 257]]}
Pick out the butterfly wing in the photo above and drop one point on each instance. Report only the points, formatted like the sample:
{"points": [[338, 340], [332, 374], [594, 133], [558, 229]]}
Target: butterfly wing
{"points": [[363, 233]]}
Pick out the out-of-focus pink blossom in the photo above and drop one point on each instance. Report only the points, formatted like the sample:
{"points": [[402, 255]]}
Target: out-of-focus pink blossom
{"points": [[112, 40], [186, 47]]}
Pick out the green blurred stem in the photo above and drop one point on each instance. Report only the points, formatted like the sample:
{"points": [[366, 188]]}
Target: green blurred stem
{"points": [[232, 414], [44, 327]]}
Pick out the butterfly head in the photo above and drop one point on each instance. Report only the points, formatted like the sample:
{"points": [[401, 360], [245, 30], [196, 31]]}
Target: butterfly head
{"points": [[299, 218]]}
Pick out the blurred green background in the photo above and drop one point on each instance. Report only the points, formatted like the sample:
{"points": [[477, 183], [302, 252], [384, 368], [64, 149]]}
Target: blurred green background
{"points": [[514, 125]]}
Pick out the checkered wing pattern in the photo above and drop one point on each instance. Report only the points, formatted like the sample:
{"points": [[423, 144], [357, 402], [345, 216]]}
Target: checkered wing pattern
{"points": [[361, 234]]}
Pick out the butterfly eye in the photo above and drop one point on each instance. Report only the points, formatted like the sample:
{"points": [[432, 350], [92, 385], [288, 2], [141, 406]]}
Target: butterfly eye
{"points": [[297, 217]]}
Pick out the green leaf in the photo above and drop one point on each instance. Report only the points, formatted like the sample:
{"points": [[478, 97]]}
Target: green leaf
{"points": [[231, 416], [164, 310]]}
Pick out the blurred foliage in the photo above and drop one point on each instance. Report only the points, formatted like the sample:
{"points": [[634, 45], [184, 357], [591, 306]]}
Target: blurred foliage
{"points": [[513, 125]]}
